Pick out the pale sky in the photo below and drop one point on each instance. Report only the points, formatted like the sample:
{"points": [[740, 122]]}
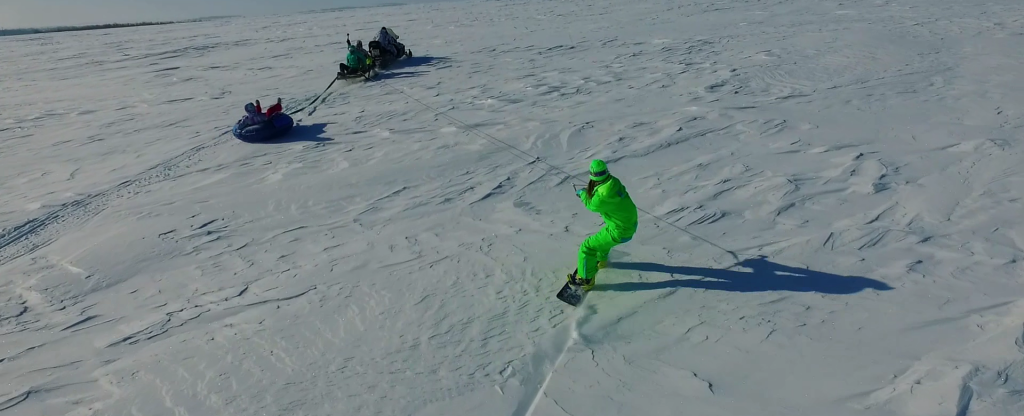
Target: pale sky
{"points": [[16, 14]]}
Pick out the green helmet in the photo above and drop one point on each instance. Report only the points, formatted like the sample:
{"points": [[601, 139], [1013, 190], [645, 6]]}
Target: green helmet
{"points": [[598, 170]]}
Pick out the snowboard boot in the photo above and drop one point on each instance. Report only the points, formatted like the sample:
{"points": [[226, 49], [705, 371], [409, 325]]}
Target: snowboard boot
{"points": [[575, 280]]}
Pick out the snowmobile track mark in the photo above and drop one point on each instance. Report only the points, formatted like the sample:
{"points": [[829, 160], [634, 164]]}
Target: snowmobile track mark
{"points": [[36, 233]]}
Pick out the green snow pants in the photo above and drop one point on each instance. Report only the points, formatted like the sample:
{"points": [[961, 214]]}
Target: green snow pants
{"points": [[595, 248]]}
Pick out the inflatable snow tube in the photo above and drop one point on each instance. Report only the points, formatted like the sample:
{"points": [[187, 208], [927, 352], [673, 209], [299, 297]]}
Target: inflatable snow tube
{"points": [[278, 125]]}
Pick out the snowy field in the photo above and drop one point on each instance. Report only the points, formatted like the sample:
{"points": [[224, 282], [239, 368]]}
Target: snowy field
{"points": [[863, 159]]}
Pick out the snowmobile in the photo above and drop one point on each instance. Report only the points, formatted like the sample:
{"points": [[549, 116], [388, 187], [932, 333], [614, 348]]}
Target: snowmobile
{"points": [[383, 57]]}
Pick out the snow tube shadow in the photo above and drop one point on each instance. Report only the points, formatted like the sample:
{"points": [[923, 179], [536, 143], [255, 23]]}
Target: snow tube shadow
{"points": [[278, 125]]}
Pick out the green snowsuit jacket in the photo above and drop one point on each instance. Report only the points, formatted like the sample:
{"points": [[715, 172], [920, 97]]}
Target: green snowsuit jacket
{"points": [[615, 206], [356, 58], [620, 217]]}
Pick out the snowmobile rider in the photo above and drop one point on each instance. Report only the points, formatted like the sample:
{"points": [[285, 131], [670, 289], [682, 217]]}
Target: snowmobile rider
{"points": [[607, 196], [389, 40]]}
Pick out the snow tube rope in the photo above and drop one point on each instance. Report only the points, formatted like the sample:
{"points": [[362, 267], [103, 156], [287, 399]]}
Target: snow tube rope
{"points": [[293, 112]]}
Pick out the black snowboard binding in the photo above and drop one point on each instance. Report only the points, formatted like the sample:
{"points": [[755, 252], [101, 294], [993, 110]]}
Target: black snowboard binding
{"points": [[574, 290], [575, 280]]}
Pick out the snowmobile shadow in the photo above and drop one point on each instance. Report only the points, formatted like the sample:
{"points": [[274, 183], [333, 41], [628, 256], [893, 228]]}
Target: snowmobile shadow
{"points": [[303, 133], [765, 276], [418, 61], [396, 75]]}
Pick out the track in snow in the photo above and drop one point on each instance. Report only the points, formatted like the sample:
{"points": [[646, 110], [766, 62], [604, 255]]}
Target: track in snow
{"points": [[34, 234], [542, 363]]}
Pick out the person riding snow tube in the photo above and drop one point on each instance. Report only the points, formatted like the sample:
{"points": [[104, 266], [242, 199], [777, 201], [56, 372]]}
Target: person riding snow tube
{"points": [[259, 127]]}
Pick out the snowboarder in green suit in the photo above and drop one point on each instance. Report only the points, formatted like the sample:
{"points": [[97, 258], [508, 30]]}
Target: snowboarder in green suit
{"points": [[604, 195]]}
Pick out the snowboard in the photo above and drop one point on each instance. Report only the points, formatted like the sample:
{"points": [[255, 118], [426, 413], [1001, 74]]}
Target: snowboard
{"points": [[571, 294]]}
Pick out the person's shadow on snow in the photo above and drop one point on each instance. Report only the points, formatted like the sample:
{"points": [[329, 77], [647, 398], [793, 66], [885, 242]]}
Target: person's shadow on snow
{"points": [[765, 276]]}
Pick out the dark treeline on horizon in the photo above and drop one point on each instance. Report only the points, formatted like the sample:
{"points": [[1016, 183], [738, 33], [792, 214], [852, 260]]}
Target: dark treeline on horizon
{"points": [[56, 29]]}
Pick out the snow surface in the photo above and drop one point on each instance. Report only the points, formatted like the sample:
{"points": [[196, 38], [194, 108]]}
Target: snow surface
{"points": [[862, 158]]}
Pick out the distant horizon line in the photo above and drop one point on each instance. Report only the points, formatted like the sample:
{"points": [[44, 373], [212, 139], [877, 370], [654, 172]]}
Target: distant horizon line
{"points": [[100, 26]]}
